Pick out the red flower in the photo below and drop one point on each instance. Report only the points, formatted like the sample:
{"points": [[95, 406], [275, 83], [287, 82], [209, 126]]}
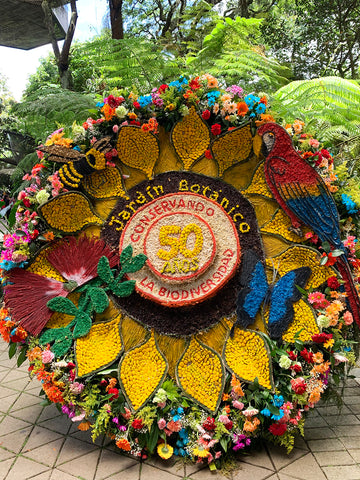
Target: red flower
{"points": [[163, 87], [278, 429], [135, 122], [208, 154], [206, 114], [27, 203], [209, 424], [194, 83], [137, 105], [216, 129], [27, 294], [307, 356], [333, 283], [108, 155], [34, 234], [330, 259], [137, 424], [298, 385], [114, 102], [322, 337], [229, 425], [114, 392], [295, 368], [292, 355]]}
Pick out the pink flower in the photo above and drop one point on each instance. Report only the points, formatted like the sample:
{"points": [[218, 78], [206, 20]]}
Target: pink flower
{"points": [[115, 128], [314, 143], [47, 356], [238, 405], [76, 388], [318, 300], [224, 419], [162, 423], [348, 318]]}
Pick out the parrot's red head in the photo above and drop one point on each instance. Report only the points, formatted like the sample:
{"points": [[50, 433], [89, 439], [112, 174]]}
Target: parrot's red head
{"points": [[274, 135]]}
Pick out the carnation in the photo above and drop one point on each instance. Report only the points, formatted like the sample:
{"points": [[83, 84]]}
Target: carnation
{"points": [[298, 385], [323, 321], [47, 356], [121, 112], [284, 362], [42, 197]]}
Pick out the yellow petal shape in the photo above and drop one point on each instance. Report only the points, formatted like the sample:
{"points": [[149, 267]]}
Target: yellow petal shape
{"points": [[141, 371], [301, 256], [200, 374], [264, 208], [104, 183], [258, 183], [232, 147], [168, 160], [304, 322], [42, 267], [99, 348], [172, 348], [138, 149], [69, 212], [273, 245], [104, 207], [191, 138], [247, 356], [240, 175], [279, 225]]}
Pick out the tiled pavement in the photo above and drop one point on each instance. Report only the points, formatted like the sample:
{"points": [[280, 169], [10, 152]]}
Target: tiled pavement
{"points": [[37, 442]]}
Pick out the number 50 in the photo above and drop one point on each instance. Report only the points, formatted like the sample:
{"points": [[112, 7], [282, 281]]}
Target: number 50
{"points": [[179, 243]]}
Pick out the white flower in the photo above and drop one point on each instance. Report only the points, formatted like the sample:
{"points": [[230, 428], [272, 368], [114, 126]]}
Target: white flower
{"points": [[323, 321], [284, 362], [184, 110], [121, 112], [250, 412], [42, 197]]}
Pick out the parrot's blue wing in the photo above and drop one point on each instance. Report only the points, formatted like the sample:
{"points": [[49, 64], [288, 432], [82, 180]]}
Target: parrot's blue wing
{"points": [[254, 287], [283, 295]]}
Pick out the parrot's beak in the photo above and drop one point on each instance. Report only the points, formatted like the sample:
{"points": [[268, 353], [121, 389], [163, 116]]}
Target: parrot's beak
{"points": [[257, 145]]}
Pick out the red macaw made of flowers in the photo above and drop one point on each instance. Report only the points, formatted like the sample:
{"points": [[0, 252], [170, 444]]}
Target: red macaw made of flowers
{"points": [[303, 195]]}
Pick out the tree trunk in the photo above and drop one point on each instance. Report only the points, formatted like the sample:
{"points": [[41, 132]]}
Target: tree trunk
{"points": [[63, 57], [116, 19]]}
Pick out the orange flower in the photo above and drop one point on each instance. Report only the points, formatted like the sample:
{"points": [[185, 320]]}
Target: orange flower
{"points": [[298, 126], [320, 368], [314, 396], [251, 425], [34, 354], [225, 397], [212, 82], [242, 109], [84, 425], [264, 118], [108, 112], [49, 236], [112, 383], [318, 357], [236, 384], [123, 444], [132, 115]]}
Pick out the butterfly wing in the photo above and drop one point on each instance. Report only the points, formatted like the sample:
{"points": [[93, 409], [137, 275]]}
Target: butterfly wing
{"points": [[254, 287], [284, 294]]}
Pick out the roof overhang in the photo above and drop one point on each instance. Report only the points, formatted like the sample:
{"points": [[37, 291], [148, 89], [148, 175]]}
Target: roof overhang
{"points": [[22, 23]]}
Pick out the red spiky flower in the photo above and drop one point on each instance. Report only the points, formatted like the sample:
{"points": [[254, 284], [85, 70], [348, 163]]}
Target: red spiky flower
{"points": [[75, 259]]}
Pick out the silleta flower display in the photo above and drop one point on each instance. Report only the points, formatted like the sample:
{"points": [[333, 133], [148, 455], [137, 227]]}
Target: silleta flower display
{"points": [[160, 289]]}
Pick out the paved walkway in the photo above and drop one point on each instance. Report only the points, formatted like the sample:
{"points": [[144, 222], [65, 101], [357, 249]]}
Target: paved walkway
{"points": [[41, 444]]}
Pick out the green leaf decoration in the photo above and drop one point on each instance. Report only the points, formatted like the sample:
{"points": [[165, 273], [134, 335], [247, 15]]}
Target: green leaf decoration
{"points": [[53, 334], [62, 305], [62, 346], [104, 270], [22, 357], [83, 324], [126, 254], [99, 299], [123, 289], [135, 264], [12, 349]]}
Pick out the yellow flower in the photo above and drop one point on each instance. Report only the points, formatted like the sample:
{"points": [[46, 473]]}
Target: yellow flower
{"points": [[165, 451], [200, 452], [329, 343]]}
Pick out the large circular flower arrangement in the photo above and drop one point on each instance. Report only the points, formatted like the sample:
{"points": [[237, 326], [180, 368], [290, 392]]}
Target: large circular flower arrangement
{"points": [[159, 289]]}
